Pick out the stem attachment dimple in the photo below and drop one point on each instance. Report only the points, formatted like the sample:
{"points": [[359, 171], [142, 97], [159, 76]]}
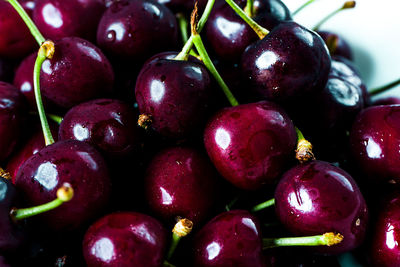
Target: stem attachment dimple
{"points": [[181, 229], [346, 5], [304, 148], [327, 239]]}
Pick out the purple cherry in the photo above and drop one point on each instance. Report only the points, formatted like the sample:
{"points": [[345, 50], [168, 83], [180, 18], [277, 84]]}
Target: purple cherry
{"points": [[125, 239], [107, 124], [6, 70], [232, 238], [73, 162], [318, 197], [181, 182], [336, 44], [289, 62], [57, 19], [251, 144]]}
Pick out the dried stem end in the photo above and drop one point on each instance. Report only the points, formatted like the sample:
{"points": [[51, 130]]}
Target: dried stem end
{"points": [[332, 238], [144, 121], [304, 151], [183, 227]]}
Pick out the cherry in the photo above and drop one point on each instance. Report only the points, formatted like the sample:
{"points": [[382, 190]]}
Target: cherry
{"points": [[3, 262], [232, 238], [385, 249], [319, 197], [228, 35], [336, 44], [125, 239], [16, 41], [73, 162], [250, 144], [374, 135], [390, 100], [12, 117], [107, 124], [57, 19], [181, 182], [135, 30], [6, 70], [289, 62], [175, 94]]}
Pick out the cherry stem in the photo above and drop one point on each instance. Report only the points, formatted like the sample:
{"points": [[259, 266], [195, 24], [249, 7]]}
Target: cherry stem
{"points": [[5, 174], [259, 30], [383, 88], [302, 7], [264, 205], [183, 55], [181, 229], [167, 264], [332, 43], [327, 239], [46, 51], [57, 119], [183, 26], [346, 5], [28, 21], [249, 8], [64, 194], [229, 206], [304, 148]]}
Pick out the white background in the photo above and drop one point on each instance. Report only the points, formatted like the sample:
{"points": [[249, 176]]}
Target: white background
{"points": [[373, 30]]}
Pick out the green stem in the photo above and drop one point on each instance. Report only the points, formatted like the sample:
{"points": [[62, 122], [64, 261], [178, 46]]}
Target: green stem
{"points": [[57, 119], [249, 9], [28, 21], [183, 26], [259, 30], [229, 206], [210, 66], [181, 229], [381, 89], [167, 264], [41, 57], [327, 239], [302, 7], [174, 243], [263, 205], [300, 135], [346, 5]]}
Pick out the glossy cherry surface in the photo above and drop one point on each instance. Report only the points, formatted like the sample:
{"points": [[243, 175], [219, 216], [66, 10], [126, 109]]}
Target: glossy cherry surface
{"points": [[251, 144], [73, 162], [340, 47], [228, 35], [374, 137], [385, 250], [125, 239], [57, 19], [78, 72], [16, 40], [289, 62], [318, 197], [176, 94], [12, 117], [232, 238], [136, 30], [181, 182], [107, 124]]}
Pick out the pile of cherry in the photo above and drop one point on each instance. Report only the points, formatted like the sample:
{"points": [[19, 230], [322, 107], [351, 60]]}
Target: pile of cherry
{"points": [[115, 131]]}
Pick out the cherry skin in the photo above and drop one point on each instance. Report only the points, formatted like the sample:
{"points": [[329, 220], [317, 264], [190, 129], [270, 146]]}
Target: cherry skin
{"points": [[6, 70], [289, 62], [390, 100], [12, 118], [232, 238], [125, 239], [385, 250], [318, 197], [373, 137], [136, 30], [228, 35], [107, 124], [251, 144], [78, 72], [16, 40], [73, 162], [341, 46], [57, 19], [181, 182], [176, 94]]}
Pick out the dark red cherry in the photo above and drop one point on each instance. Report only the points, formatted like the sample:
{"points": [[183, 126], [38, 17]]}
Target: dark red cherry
{"points": [[57, 19], [6, 70], [78, 72], [374, 137], [228, 35], [176, 94], [385, 250], [336, 44], [318, 197], [3, 262], [181, 182], [12, 118], [107, 124], [251, 144], [390, 100], [232, 238], [289, 62], [16, 40], [125, 239], [73, 162], [136, 30]]}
